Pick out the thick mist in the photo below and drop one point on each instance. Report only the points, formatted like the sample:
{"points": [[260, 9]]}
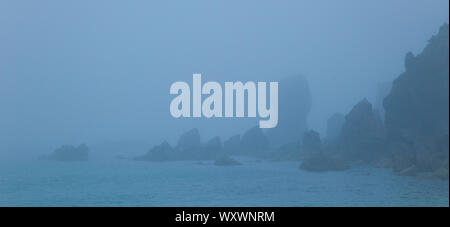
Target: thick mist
{"points": [[98, 71]]}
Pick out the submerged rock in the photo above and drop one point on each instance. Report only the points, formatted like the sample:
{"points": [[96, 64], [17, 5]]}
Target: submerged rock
{"points": [[226, 161], [69, 153]]}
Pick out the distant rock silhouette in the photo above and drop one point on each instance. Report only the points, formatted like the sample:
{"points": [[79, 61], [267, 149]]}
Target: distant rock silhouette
{"points": [[69, 153], [254, 142], [162, 152], [189, 147], [189, 141], [294, 107]]}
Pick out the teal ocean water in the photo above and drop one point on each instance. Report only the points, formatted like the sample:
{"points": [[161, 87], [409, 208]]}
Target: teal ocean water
{"points": [[193, 183]]}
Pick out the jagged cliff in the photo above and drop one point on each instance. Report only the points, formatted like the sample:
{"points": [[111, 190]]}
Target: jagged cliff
{"points": [[362, 135], [414, 139], [417, 111]]}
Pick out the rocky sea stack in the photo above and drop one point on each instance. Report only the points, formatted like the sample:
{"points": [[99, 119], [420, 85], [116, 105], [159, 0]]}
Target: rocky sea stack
{"points": [[362, 134]]}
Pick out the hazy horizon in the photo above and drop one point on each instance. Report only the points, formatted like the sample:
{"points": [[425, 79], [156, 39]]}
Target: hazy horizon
{"points": [[93, 71]]}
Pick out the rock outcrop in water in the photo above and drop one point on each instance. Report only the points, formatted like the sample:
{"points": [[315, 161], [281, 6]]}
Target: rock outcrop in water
{"points": [[254, 142], [189, 147], [417, 111], [162, 152], [359, 136], [69, 153], [189, 141], [362, 135], [318, 159]]}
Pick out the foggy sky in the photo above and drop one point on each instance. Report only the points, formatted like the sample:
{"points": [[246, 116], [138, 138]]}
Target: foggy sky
{"points": [[87, 71]]}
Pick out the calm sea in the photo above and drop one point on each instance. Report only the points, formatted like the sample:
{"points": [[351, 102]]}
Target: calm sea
{"points": [[194, 183]]}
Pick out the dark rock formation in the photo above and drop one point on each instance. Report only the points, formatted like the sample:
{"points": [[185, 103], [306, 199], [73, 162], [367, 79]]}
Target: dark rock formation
{"points": [[417, 110], [315, 158], [383, 90], [188, 148], [294, 107], [362, 136], [162, 152], [69, 153], [254, 142], [226, 161], [334, 127], [189, 141]]}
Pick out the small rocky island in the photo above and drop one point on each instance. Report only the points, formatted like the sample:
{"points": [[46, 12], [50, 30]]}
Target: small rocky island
{"points": [[68, 153]]}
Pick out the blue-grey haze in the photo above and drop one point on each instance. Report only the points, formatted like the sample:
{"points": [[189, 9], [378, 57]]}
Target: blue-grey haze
{"points": [[99, 72]]}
